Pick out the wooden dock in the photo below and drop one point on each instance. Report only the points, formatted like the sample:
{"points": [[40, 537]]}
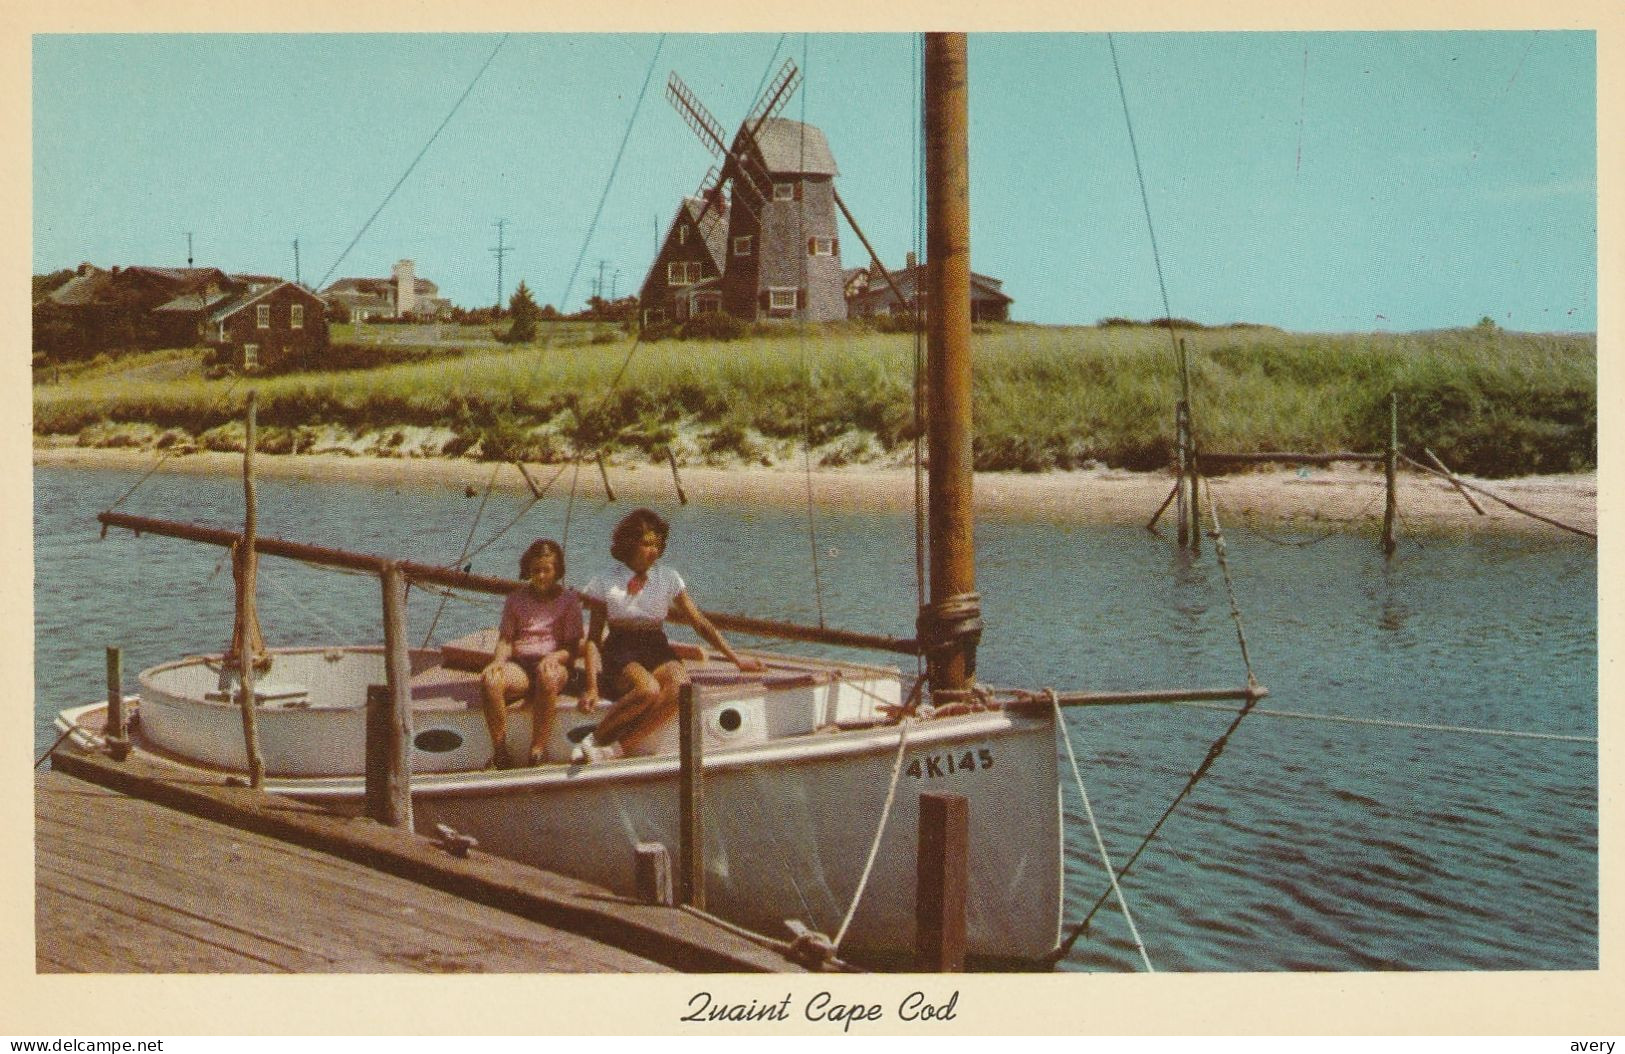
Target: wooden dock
{"points": [[138, 872]]}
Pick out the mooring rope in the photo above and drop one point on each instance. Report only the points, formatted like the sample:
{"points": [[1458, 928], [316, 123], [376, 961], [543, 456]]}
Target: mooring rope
{"points": [[880, 830], [1496, 497], [1325, 535], [789, 949], [1094, 827]]}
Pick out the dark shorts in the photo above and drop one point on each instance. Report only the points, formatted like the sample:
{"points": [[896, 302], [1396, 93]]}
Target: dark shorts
{"points": [[648, 648], [531, 666]]}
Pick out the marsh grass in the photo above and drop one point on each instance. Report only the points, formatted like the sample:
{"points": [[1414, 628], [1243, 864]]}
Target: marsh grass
{"points": [[1488, 402]]}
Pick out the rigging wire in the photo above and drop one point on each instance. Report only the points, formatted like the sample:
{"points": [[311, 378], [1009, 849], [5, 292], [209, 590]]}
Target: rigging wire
{"points": [[586, 243], [1384, 722], [1094, 827], [231, 387], [801, 341], [1145, 199], [462, 558], [398, 183], [1214, 749], [614, 167]]}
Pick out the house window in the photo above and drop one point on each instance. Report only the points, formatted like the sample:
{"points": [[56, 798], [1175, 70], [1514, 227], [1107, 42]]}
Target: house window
{"points": [[683, 272], [222, 334], [682, 236], [262, 316], [820, 246], [742, 245], [296, 316], [654, 316], [251, 357], [784, 192], [779, 299], [707, 305]]}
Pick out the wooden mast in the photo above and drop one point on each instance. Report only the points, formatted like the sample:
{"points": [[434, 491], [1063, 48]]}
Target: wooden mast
{"points": [[950, 622]]}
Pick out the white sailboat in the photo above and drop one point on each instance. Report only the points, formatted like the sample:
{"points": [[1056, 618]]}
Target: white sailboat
{"points": [[812, 770]]}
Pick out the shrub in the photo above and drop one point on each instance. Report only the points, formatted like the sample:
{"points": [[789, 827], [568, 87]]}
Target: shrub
{"points": [[717, 325]]}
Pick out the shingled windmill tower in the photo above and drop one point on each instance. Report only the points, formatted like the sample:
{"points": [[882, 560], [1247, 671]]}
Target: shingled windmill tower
{"points": [[783, 259]]}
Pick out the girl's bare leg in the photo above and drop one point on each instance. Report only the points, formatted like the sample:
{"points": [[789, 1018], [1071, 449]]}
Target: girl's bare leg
{"points": [[544, 701], [497, 686], [670, 677], [627, 713]]}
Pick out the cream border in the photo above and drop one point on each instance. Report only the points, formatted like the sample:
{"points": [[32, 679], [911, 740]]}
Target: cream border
{"points": [[1570, 1004]]}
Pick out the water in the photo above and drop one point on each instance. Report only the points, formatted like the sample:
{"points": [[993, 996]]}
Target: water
{"points": [[1309, 845]]}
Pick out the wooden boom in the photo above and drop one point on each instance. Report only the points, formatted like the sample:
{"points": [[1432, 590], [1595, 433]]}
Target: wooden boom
{"points": [[451, 577]]}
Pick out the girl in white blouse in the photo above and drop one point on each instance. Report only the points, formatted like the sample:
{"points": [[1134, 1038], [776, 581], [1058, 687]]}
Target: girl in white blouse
{"points": [[637, 658]]}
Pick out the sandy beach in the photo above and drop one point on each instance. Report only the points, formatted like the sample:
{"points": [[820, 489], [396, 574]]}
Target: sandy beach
{"points": [[1342, 496]]}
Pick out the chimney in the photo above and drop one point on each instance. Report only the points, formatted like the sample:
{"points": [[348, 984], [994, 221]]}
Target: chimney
{"points": [[405, 289]]}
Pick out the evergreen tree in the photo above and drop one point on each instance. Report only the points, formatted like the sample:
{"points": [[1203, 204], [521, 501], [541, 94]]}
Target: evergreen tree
{"points": [[522, 307]]}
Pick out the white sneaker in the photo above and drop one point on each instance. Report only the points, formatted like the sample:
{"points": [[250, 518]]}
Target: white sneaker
{"points": [[589, 751]]}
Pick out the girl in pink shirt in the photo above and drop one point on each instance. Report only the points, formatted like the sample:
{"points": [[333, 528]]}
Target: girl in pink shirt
{"points": [[538, 640]]}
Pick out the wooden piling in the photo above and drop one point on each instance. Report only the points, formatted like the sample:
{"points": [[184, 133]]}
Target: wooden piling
{"points": [[682, 499], [118, 730], [691, 819], [941, 883], [1195, 501], [1179, 457], [248, 644], [653, 870], [389, 713], [1390, 512]]}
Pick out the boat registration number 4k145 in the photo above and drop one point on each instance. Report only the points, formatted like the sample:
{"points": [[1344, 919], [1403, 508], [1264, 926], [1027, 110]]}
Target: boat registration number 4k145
{"points": [[931, 766]]}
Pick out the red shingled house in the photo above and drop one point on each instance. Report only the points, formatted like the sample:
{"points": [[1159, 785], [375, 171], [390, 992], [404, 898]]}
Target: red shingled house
{"points": [[266, 325]]}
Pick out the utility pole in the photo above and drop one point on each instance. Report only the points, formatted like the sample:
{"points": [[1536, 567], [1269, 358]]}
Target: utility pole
{"points": [[598, 287], [188, 250], [296, 280], [499, 251], [613, 283]]}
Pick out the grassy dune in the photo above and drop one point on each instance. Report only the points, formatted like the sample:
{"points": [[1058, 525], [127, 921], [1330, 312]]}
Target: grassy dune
{"points": [[1489, 402]]}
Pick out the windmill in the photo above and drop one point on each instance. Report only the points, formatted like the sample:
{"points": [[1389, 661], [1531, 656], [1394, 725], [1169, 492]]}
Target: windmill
{"points": [[782, 255]]}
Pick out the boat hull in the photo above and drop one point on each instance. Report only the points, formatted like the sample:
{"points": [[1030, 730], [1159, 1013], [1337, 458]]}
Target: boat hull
{"points": [[798, 774], [789, 828]]}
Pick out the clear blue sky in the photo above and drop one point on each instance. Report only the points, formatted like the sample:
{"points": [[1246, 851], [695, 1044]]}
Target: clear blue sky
{"points": [[1315, 181]]}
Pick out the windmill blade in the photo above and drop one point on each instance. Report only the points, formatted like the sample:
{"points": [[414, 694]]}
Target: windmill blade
{"points": [[693, 111], [772, 100], [709, 193]]}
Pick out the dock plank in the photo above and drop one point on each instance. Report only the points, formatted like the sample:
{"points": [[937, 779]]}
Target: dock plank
{"points": [[125, 885], [356, 907], [667, 936]]}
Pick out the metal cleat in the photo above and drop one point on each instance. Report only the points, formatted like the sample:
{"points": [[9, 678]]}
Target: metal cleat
{"points": [[454, 843], [809, 948]]}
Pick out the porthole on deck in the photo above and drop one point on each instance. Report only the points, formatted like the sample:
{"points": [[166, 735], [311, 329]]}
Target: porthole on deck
{"points": [[437, 740], [729, 719]]}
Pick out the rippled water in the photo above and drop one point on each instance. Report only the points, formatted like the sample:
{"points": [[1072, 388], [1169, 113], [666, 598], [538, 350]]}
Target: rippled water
{"points": [[1309, 846]]}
